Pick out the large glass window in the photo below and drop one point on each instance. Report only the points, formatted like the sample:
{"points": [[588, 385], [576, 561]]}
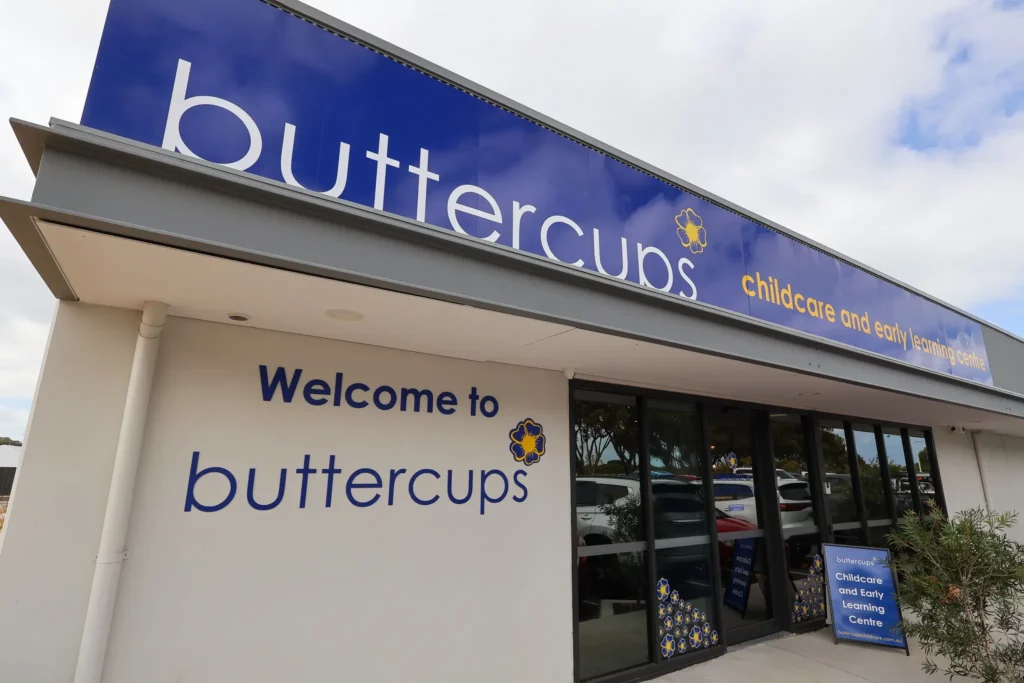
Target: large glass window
{"points": [[898, 477], [871, 482], [839, 493], [873, 485], [620, 605], [681, 530], [612, 580], [746, 598], [922, 466], [799, 529], [648, 590]]}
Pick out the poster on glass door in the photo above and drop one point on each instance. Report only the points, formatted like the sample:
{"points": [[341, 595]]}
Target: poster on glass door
{"points": [[862, 596], [737, 594]]}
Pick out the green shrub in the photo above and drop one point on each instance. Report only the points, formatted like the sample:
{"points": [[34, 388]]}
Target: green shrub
{"points": [[961, 582]]}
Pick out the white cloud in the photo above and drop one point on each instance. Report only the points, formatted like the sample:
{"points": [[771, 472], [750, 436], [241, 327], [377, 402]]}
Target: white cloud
{"points": [[791, 108]]}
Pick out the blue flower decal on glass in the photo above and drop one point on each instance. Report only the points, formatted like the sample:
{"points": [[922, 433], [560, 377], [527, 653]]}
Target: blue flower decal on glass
{"points": [[667, 624], [680, 619], [663, 589], [696, 637], [674, 597], [528, 442], [809, 602], [668, 646], [713, 637], [677, 633], [662, 611], [706, 630], [669, 609], [689, 607]]}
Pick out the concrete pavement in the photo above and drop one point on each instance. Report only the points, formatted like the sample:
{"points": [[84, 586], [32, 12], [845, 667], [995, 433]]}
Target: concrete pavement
{"points": [[809, 657]]}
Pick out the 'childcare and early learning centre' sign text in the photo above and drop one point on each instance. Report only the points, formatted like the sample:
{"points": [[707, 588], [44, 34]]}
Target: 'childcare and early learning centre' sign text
{"points": [[245, 84], [862, 595]]}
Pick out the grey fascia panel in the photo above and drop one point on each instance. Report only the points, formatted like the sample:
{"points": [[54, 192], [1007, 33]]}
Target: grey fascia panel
{"points": [[20, 218], [1006, 359], [360, 36], [72, 137], [148, 194]]}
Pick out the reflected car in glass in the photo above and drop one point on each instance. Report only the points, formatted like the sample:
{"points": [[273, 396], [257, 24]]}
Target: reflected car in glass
{"points": [[735, 497]]}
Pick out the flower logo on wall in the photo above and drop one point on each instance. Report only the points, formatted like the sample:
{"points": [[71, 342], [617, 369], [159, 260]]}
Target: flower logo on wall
{"points": [[685, 623], [691, 231], [528, 442]]}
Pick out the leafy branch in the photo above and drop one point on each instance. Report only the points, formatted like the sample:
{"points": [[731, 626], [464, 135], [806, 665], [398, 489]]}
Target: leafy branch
{"points": [[961, 589]]}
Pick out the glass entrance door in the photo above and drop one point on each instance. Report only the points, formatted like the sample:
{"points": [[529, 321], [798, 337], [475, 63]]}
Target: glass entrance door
{"points": [[740, 504]]}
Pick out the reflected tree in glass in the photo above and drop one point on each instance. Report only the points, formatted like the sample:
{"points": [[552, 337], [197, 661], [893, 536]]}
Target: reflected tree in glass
{"points": [[837, 473], [601, 427]]}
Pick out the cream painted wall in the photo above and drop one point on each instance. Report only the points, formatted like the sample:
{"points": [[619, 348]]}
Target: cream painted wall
{"points": [[385, 593], [1002, 463], [958, 464], [49, 542]]}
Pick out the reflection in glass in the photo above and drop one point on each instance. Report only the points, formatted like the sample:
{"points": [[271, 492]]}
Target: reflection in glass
{"points": [[612, 586], [898, 471], [871, 484], [676, 472], [802, 540], [612, 613], [608, 501], [746, 597], [922, 465], [838, 482]]}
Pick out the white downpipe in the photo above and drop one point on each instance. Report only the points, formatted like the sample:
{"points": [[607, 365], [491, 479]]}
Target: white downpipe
{"points": [[981, 470], [112, 553]]}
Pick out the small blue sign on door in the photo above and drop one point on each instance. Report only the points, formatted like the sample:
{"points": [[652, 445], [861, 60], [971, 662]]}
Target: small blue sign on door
{"points": [[862, 596], [737, 593]]}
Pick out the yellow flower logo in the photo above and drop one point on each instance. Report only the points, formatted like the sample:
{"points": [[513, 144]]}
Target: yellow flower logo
{"points": [[528, 442], [691, 231]]}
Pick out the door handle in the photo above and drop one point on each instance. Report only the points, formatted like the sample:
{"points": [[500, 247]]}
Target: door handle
{"points": [[586, 517]]}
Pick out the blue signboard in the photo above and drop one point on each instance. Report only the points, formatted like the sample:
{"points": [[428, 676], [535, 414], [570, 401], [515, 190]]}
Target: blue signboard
{"points": [[737, 593], [862, 595], [248, 85]]}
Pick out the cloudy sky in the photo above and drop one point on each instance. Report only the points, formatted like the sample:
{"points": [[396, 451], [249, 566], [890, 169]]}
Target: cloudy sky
{"points": [[891, 131]]}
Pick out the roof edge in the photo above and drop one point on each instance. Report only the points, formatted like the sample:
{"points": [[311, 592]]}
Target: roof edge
{"points": [[148, 159]]}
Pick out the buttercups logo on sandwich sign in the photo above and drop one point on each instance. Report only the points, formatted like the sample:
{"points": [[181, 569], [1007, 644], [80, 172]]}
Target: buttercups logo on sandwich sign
{"points": [[247, 85]]}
